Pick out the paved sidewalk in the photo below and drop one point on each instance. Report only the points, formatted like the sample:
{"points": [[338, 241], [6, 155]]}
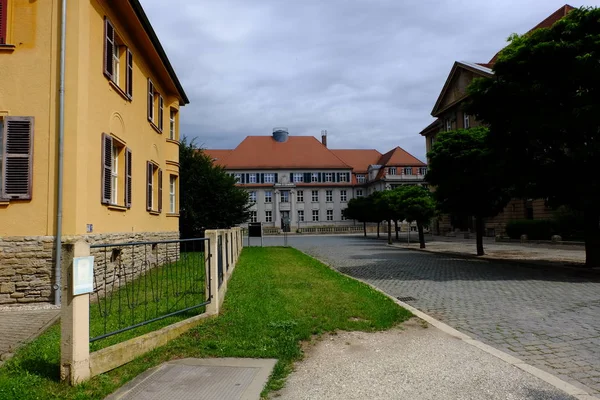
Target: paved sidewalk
{"points": [[503, 251], [21, 324], [410, 363]]}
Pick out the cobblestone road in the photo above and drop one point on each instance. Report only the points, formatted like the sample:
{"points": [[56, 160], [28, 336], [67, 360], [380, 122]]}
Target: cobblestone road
{"points": [[547, 317]]}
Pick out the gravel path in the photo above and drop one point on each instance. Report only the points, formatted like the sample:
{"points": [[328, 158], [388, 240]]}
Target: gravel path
{"points": [[410, 363]]}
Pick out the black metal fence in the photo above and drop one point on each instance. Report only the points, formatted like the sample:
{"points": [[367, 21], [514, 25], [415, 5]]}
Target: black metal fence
{"points": [[143, 282]]}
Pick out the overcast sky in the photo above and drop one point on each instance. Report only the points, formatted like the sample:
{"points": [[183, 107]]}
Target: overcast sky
{"points": [[368, 71]]}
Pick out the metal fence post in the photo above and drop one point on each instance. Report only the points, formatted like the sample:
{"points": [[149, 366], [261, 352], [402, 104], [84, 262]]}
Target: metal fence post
{"points": [[75, 321], [212, 265]]}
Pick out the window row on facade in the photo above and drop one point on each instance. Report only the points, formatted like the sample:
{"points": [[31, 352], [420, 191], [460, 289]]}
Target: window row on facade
{"points": [[295, 177], [118, 68], [117, 179], [302, 196], [406, 170], [302, 216]]}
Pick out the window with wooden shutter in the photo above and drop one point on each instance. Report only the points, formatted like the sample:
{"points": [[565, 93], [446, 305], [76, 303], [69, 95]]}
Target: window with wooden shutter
{"points": [[109, 50], [160, 190], [17, 157], [3, 21], [107, 157], [128, 167], [150, 100], [160, 112], [129, 75], [149, 173]]}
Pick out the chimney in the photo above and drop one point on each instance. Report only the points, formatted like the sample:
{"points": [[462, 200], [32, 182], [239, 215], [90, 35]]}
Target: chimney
{"points": [[324, 137]]}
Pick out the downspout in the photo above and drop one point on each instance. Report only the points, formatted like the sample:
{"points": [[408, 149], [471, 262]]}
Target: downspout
{"points": [[61, 134]]}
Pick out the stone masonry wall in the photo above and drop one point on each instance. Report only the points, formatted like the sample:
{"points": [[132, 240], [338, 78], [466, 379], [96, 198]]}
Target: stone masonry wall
{"points": [[27, 262]]}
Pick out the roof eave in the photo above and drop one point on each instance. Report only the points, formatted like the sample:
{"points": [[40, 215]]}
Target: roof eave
{"points": [[139, 11]]}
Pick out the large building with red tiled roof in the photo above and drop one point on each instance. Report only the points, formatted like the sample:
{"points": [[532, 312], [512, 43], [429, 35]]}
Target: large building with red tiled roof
{"points": [[300, 180], [449, 115]]}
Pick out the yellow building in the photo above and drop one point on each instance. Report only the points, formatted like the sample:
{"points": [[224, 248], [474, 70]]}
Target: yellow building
{"points": [[121, 132]]}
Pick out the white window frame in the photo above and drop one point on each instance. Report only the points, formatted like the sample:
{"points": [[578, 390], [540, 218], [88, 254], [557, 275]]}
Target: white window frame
{"points": [[315, 215], [300, 215], [314, 177], [315, 195], [329, 196], [466, 121], [448, 124], [329, 215], [270, 178], [300, 196], [268, 216], [268, 196], [360, 178], [252, 196], [328, 177], [238, 178], [116, 75], [422, 170], [114, 174], [343, 196], [285, 196], [407, 171], [298, 178], [359, 193], [172, 134], [392, 171], [253, 216], [343, 177], [252, 178], [172, 194]]}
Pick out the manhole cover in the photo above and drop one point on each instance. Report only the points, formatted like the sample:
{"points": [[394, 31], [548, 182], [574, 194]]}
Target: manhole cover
{"points": [[407, 298]]}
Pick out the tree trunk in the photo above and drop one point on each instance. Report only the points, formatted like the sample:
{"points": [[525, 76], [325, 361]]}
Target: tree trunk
{"points": [[365, 228], [396, 227], [592, 237], [479, 225], [378, 230], [421, 235], [389, 231]]}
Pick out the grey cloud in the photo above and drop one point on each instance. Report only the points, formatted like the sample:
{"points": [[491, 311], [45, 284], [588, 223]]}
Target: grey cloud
{"points": [[368, 71]]}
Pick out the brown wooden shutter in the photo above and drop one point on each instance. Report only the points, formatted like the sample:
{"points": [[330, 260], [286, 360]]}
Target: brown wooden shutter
{"points": [[160, 190], [3, 20], [18, 158], [107, 145], [149, 171], [128, 167], [109, 43], [129, 75], [150, 100], [160, 112]]}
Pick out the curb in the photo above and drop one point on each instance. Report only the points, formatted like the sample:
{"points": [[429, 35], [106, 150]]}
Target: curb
{"points": [[552, 380], [572, 265]]}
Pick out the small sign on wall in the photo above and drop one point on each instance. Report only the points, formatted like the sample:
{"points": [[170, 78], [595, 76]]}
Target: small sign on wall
{"points": [[83, 275], [89, 228]]}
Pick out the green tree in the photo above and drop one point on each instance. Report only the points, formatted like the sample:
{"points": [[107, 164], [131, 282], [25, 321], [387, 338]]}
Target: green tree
{"points": [[358, 209], [416, 204], [395, 210], [209, 198], [542, 109], [382, 210], [468, 177]]}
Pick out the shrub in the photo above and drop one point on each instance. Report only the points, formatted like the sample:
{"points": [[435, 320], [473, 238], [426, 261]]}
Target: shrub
{"points": [[541, 229]]}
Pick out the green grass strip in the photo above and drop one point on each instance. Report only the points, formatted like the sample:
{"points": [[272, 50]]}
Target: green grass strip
{"points": [[278, 297]]}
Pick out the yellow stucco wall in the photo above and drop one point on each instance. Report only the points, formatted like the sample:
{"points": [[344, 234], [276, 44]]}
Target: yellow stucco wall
{"points": [[28, 87], [92, 106]]}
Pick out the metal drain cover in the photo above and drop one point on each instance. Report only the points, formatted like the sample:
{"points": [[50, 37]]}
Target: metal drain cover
{"points": [[407, 298]]}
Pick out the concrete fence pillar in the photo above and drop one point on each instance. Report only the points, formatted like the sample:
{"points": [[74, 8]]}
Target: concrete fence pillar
{"points": [[212, 271], [75, 320]]}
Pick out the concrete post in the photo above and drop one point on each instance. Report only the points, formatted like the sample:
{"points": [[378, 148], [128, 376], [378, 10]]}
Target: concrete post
{"points": [[223, 289], [75, 321], [212, 266]]}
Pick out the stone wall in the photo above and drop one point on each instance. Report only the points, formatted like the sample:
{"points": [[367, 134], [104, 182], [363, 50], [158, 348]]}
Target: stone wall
{"points": [[27, 262]]}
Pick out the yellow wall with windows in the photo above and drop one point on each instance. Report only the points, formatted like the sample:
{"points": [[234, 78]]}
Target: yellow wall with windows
{"points": [[28, 87], [93, 106]]}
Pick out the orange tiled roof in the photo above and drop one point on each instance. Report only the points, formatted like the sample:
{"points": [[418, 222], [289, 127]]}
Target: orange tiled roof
{"points": [[263, 152], [358, 159], [400, 157], [547, 23], [218, 156]]}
